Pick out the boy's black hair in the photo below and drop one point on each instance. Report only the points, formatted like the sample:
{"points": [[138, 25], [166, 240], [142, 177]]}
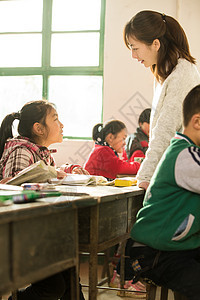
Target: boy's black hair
{"points": [[191, 105], [145, 116]]}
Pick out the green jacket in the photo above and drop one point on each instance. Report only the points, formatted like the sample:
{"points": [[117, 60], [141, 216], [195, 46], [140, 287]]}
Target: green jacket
{"points": [[170, 218]]}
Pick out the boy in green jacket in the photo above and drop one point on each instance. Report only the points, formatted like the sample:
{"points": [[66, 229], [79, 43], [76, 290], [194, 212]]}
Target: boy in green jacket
{"points": [[166, 235]]}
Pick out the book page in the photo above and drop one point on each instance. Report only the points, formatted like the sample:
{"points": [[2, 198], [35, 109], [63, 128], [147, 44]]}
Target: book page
{"points": [[37, 172], [81, 179]]}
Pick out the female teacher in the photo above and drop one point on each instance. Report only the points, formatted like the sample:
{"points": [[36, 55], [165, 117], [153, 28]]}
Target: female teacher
{"points": [[160, 43]]}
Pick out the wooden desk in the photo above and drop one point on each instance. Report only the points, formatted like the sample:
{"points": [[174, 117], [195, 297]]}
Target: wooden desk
{"points": [[5, 263], [38, 240], [32, 249], [107, 223]]}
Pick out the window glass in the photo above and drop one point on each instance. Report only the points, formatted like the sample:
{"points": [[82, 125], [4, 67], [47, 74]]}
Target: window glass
{"points": [[58, 56], [76, 15], [15, 91], [20, 50], [75, 49], [79, 102], [21, 15]]}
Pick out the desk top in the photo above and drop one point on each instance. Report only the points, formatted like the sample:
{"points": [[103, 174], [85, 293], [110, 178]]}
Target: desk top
{"points": [[74, 197], [104, 193], [43, 206]]}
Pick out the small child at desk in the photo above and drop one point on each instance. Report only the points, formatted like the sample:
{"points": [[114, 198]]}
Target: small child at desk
{"points": [[39, 127], [137, 143], [104, 159], [109, 142]]}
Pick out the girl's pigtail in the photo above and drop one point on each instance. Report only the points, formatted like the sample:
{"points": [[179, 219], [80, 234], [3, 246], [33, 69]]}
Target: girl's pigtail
{"points": [[6, 129], [97, 133]]}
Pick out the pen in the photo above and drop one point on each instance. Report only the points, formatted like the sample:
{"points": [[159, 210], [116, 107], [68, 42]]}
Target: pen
{"points": [[26, 196], [30, 196]]}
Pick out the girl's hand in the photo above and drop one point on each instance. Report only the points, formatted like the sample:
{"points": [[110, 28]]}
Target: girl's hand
{"points": [[60, 174], [79, 170], [72, 169], [144, 185], [4, 180]]}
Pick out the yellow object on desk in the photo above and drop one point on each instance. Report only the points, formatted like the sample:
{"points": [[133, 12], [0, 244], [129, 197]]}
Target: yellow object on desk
{"points": [[125, 181]]}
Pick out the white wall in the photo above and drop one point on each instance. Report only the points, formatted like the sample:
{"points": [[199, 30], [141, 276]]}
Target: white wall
{"points": [[189, 18], [128, 85]]}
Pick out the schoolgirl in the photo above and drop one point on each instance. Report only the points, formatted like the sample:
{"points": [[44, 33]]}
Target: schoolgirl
{"points": [[104, 159], [38, 128]]}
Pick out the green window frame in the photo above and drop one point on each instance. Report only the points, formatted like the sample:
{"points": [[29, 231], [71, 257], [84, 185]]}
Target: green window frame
{"points": [[46, 70]]}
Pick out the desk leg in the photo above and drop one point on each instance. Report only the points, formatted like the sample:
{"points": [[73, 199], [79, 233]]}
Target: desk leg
{"points": [[75, 290], [93, 261], [122, 267]]}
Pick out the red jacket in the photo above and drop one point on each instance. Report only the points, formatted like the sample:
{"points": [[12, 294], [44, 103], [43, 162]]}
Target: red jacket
{"points": [[103, 161]]}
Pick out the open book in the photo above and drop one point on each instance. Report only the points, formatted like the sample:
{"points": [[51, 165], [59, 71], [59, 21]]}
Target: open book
{"points": [[37, 172], [81, 179]]}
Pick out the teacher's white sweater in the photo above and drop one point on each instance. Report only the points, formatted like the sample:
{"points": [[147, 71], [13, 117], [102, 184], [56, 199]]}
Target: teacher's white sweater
{"points": [[166, 114]]}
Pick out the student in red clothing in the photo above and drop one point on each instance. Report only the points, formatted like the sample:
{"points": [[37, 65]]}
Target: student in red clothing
{"points": [[137, 143], [109, 143]]}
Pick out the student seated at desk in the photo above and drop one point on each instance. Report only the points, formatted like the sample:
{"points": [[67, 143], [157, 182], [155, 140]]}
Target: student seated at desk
{"points": [[109, 143], [166, 234], [137, 143], [39, 127]]}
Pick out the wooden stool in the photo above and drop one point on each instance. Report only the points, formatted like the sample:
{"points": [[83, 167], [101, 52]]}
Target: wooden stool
{"points": [[106, 267], [178, 296], [107, 271], [151, 293], [106, 275]]}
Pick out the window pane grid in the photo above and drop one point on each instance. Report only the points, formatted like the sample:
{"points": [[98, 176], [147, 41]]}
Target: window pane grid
{"points": [[51, 71], [44, 68], [77, 31], [20, 32]]}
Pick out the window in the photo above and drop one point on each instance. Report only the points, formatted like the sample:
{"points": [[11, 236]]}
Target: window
{"points": [[53, 49]]}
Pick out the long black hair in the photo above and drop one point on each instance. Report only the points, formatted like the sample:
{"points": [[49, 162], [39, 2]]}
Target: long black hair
{"points": [[100, 131], [31, 112], [146, 26]]}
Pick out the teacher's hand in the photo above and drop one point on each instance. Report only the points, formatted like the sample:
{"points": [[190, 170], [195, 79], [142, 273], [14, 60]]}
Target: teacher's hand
{"points": [[144, 185]]}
